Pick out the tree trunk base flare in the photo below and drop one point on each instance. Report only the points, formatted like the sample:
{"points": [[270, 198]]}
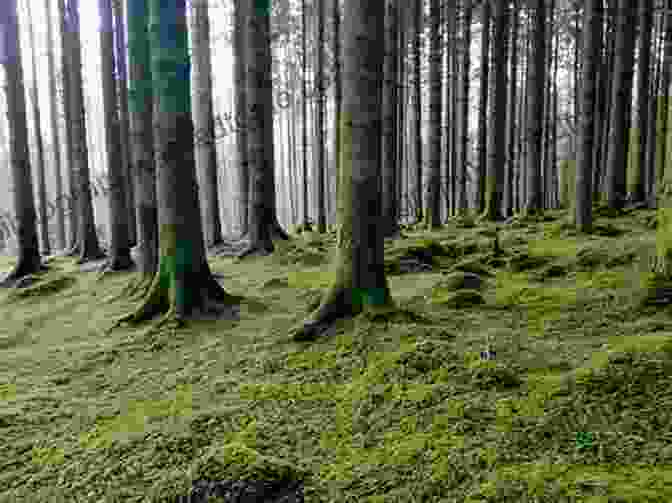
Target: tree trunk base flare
{"points": [[24, 269], [90, 253], [73, 251], [338, 303], [181, 297], [119, 263]]}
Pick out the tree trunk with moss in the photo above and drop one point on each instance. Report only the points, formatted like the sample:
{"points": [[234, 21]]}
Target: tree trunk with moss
{"points": [[140, 102], [433, 211], [88, 240], [359, 283], [494, 183], [24, 203], [120, 250], [39, 144], [204, 123], [183, 285]]}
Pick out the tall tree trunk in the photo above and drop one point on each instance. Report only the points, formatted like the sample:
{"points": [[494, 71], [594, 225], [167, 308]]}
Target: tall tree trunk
{"points": [[39, 145], [24, 203], [140, 102], [592, 41], [535, 107], [122, 93], [621, 97], [88, 240], [433, 214], [319, 119], [360, 283], [241, 111], [304, 113], [54, 126], [389, 136], [483, 105], [664, 142], [204, 123], [264, 224], [652, 104], [183, 285], [497, 141], [417, 105], [511, 114], [464, 110], [73, 204], [120, 251], [338, 88], [638, 188]]}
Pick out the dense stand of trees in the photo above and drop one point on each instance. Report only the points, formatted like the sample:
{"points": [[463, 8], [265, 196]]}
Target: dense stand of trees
{"points": [[392, 113]]}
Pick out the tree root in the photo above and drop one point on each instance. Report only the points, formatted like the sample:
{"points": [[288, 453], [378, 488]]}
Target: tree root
{"points": [[255, 250], [22, 275], [334, 307], [134, 287], [158, 299]]}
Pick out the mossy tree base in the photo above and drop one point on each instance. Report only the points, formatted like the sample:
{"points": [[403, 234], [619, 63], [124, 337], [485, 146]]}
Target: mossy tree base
{"points": [[23, 270], [180, 297], [335, 306]]}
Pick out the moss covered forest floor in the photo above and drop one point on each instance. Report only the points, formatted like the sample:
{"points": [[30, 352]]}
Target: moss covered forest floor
{"points": [[542, 380]]}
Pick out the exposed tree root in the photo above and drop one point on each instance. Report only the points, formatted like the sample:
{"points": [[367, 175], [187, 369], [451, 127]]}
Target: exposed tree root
{"points": [[335, 305], [256, 250], [161, 297], [23, 275]]}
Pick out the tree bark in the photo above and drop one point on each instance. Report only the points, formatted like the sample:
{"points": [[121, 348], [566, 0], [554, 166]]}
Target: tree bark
{"points": [[241, 107], [183, 286], [621, 97], [535, 107], [120, 250], [497, 141], [204, 123], [433, 213], [39, 145], [140, 102], [122, 92], [592, 41], [24, 203], [360, 283], [88, 240], [464, 111], [638, 188], [389, 123], [319, 119], [55, 144], [483, 104], [417, 105]]}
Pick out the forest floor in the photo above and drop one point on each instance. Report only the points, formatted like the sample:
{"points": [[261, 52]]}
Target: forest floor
{"points": [[547, 382]]}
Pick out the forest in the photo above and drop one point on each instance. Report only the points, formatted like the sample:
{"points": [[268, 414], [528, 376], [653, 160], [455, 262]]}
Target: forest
{"points": [[335, 251]]}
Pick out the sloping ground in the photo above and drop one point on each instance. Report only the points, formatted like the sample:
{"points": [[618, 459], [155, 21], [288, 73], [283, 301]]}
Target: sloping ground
{"points": [[536, 376]]}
